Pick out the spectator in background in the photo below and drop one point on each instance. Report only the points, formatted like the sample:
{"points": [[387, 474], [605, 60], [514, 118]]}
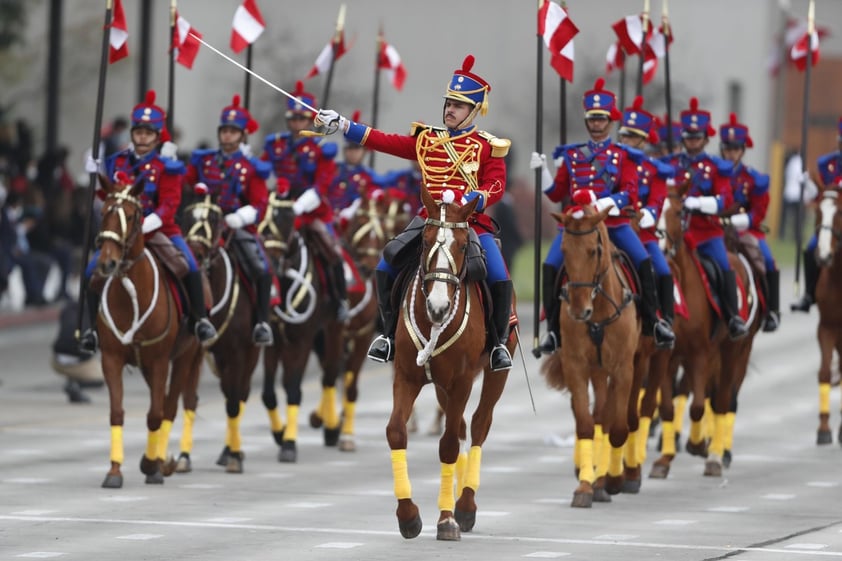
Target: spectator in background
{"points": [[81, 368], [117, 136], [792, 193], [506, 217]]}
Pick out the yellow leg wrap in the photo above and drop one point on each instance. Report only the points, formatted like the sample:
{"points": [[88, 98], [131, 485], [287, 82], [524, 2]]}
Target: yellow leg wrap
{"points": [[461, 471], [152, 438], [586, 472], [329, 414], [679, 404], [597, 445], [640, 394], [233, 438], [164, 439], [447, 501], [348, 418], [400, 474], [630, 449], [347, 379], [717, 442], [708, 420], [824, 398], [186, 443], [474, 462], [275, 421], [658, 403], [697, 430], [643, 438], [615, 462], [730, 418], [117, 444], [668, 438], [291, 431], [577, 454], [604, 457]]}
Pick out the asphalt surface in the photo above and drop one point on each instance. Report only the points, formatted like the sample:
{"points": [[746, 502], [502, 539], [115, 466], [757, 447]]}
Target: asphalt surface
{"points": [[780, 499]]}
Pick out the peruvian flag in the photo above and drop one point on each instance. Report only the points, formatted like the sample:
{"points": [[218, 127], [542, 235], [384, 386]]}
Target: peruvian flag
{"points": [[630, 33], [650, 63], [186, 40], [614, 58], [798, 53], [118, 35], [558, 30], [247, 26], [390, 61], [326, 57]]}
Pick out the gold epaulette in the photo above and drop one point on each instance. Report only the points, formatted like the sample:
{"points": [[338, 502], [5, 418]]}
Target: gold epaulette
{"points": [[499, 146], [417, 128]]}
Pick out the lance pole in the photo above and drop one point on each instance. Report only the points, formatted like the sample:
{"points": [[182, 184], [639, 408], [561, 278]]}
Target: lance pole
{"points": [[668, 87], [334, 45], [375, 104], [642, 52], [562, 103], [247, 86], [805, 117], [171, 70], [539, 147]]}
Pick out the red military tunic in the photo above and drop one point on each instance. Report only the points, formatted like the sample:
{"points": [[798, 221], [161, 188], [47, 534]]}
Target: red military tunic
{"points": [[751, 192], [461, 161], [652, 192], [708, 177]]}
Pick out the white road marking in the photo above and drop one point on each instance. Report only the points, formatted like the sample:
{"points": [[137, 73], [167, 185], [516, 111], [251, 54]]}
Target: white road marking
{"points": [[41, 554], [274, 475], [779, 496], [547, 554], [33, 512], [339, 545], [228, 520], [728, 509], [675, 522], [123, 499], [140, 537], [28, 480], [806, 546], [823, 484], [616, 537]]}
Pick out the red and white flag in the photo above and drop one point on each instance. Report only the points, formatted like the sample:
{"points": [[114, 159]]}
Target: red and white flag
{"points": [[614, 58], [247, 26], [332, 52], [390, 61], [118, 35], [558, 30], [798, 52], [650, 63], [186, 40], [795, 29], [630, 34]]}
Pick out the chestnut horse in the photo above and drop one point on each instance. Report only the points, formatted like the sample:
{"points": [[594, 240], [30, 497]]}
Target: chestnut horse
{"points": [[234, 355], [138, 325], [305, 320], [441, 339], [599, 332], [829, 303]]}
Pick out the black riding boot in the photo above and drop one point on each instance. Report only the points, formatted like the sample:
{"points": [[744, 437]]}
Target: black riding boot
{"points": [[552, 306], [737, 328], [262, 333], [652, 326], [773, 301], [382, 349], [811, 278], [666, 298], [89, 340], [501, 300], [202, 327], [341, 289]]}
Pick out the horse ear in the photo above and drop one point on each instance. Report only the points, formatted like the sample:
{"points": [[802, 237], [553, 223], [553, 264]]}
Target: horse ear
{"points": [[469, 208], [105, 183], [559, 217], [138, 186], [427, 201], [602, 215]]}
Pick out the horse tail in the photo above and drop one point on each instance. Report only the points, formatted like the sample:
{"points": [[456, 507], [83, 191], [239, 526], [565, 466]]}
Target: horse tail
{"points": [[552, 370]]}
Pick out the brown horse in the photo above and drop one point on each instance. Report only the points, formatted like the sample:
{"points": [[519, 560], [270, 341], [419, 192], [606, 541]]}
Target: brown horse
{"points": [[138, 325], [304, 321], [233, 355], [441, 339], [829, 301], [600, 332]]}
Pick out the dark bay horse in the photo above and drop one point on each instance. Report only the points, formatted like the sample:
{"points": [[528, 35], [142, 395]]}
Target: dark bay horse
{"points": [[139, 325], [599, 332], [233, 355], [303, 320], [829, 301], [441, 339]]}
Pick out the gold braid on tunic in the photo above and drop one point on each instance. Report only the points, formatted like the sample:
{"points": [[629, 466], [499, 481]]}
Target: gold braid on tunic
{"points": [[447, 163]]}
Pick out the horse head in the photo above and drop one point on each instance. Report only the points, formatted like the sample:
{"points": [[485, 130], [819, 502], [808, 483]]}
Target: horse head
{"points": [[395, 211], [119, 241], [280, 238], [202, 223], [443, 255], [671, 222], [830, 227], [587, 257], [363, 233]]}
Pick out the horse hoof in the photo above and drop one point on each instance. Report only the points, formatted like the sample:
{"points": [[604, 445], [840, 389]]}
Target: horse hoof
{"points": [[713, 468], [659, 471], [315, 420], [466, 520], [824, 437], [149, 467], [347, 444], [235, 463], [168, 466], [331, 436], [614, 485], [156, 478], [288, 453], [410, 528], [448, 530], [600, 495], [697, 448], [183, 465], [631, 487], [113, 481], [582, 500], [278, 436], [726, 459], [222, 460]]}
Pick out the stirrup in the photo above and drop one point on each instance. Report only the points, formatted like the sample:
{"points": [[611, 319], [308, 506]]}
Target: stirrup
{"points": [[500, 358], [89, 341], [382, 349], [802, 305], [204, 330], [771, 322], [663, 335], [737, 328], [549, 343], [261, 335]]}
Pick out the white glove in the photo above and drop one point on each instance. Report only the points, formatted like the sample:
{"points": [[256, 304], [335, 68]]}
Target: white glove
{"points": [[559, 161], [741, 222], [91, 165], [537, 160], [234, 221], [670, 181], [708, 205], [692, 203], [151, 222], [349, 211], [647, 219], [169, 150], [540, 161], [607, 202], [307, 202], [246, 150], [330, 119], [244, 216]]}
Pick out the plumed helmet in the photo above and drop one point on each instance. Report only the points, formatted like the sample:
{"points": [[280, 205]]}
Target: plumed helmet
{"points": [[295, 106], [237, 116], [695, 122], [150, 116], [637, 121], [467, 87], [734, 133]]}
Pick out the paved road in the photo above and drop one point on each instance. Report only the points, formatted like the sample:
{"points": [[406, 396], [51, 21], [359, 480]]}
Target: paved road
{"points": [[779, 500]]}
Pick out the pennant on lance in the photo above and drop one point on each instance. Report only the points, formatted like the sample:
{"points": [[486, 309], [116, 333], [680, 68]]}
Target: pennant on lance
{"points": [[118, 35], [247, 26], [630, 33], [558, 30], [186, 40], [390, 61], [332, 52]]}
